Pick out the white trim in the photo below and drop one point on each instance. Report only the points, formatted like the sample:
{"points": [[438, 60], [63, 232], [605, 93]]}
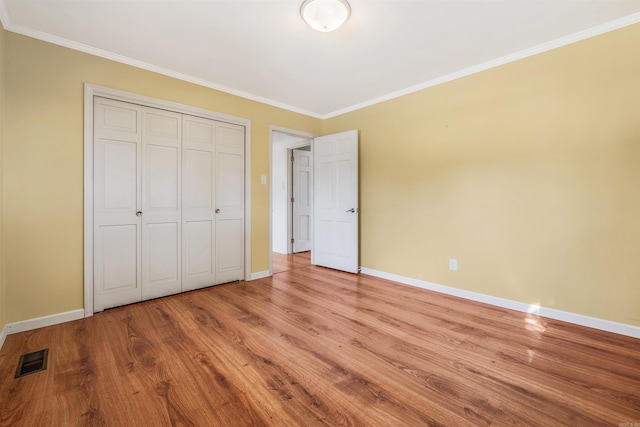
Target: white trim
{"points": [[553, 44], [88, 200], [5, 19], [289, 190], [292, 132], [41, 322], [91, 90], [565, 316], [81, 47], [247, 198], [3, 336], [260, 275]]}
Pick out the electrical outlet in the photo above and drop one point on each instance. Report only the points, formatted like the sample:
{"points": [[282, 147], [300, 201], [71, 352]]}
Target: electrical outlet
{"points": [[263, 179], [453, 264]]}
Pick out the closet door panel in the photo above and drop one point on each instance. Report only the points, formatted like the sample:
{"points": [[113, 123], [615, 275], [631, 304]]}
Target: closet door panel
{"points": [[230, 259], [161, 207], [229, 202], [116, 184], [117, 251], [163, 246], [230, 171], [163, 178], [198, 179], [198, 210], [198, 265]]}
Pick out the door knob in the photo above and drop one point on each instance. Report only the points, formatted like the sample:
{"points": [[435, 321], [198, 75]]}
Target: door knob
{"points": [[217, 210], [139, 213], [352, 210]]}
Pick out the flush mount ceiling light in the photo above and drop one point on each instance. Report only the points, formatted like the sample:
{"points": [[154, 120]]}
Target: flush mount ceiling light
{"points": [[325, 15]]}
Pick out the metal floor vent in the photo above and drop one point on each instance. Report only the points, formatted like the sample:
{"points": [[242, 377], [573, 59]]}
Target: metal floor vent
{"points": [[32, 362]]}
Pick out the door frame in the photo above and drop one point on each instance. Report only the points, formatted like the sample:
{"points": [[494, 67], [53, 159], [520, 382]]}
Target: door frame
{"points": [[309, 141], [91, 90]]}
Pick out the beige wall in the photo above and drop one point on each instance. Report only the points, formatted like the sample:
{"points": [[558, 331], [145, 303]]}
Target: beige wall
{"points": [[44, 165], [2, 270], [528, 174]]}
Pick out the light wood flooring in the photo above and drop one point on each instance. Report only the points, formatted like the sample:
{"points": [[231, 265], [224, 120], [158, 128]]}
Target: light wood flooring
{"points": [[312, 346], [282, 263]]}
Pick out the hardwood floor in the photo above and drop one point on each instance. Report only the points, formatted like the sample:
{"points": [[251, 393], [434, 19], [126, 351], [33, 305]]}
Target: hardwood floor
{"points": [[312, 346], [282, 263]]}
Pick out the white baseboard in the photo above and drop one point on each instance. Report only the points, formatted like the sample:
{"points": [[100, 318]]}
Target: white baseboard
{"points": [[260, 275], [3, 336], [40, 322], [565, 316]]}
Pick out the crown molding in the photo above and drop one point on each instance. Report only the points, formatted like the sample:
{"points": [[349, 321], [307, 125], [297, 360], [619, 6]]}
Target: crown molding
{"points": [[553, 44], [81, 47], [5, 18]]}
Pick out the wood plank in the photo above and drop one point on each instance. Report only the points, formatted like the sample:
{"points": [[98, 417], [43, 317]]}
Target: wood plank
{"points": [[282, 263], [312, 346]]}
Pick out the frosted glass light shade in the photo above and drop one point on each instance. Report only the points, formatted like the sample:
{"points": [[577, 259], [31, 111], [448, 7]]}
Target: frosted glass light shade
{"points": [[325, 15]]}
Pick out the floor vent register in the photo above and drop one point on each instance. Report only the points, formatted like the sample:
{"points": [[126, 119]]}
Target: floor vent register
{"points": [[31, 363]]}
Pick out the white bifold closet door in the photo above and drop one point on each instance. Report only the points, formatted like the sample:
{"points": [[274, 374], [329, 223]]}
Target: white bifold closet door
{"points": [[168, 203], [213, 202], [117, 198], [198, 203], [229, 202], [161, 205]]}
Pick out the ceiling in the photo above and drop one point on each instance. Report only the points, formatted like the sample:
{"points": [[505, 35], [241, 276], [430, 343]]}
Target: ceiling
{"points": [[262, 50]]}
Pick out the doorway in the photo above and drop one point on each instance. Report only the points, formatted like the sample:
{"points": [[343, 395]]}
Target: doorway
{"points": [[335, 213], [286, 144]]}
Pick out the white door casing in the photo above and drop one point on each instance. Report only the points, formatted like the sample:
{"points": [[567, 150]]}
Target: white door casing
{"points": [[302, 200], [229, 157], [161, 203], [198, 206], [117, 189], [336, 212]]}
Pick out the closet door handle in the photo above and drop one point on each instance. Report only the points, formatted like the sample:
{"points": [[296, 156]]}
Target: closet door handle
{"points": [[217, 210], [139, 213]]}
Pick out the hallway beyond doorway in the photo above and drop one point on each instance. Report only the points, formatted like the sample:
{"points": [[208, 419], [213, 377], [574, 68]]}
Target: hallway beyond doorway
{"points": [[282, 262]]}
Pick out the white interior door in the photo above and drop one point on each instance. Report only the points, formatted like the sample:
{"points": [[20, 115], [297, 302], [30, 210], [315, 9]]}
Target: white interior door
{"points": [[117, 190], [198, 203], [302, 200], [335, 208], [229, 172], [161, 204]]}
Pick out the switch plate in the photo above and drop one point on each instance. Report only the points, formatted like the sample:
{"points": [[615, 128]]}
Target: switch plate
{"points": [[263, 179], [453, 264]]}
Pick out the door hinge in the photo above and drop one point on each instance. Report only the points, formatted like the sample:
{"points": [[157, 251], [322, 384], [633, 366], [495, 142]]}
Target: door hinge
{"points": [[292, 240], [292, 156], [292, 200]]}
